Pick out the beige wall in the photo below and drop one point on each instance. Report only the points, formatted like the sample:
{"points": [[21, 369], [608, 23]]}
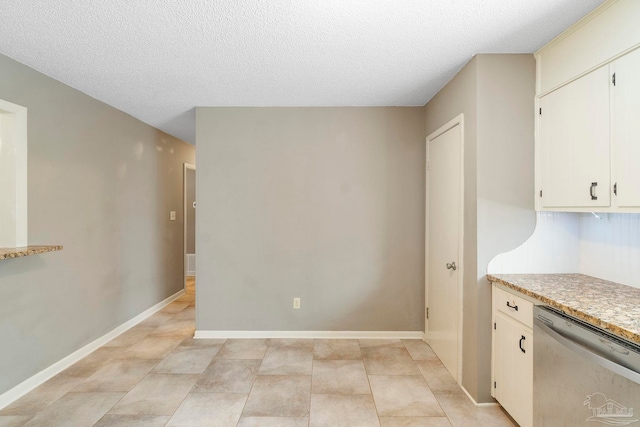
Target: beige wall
{"points": [[506, 216], [101, 184], [325, 204], [459, 96], [495, 94]]}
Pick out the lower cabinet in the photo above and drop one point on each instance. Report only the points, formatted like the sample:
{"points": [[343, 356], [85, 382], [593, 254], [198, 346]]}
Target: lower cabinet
{"points": [[513, 356]]}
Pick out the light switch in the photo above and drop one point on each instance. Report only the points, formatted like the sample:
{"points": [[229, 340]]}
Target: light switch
{"points": [[172, 215]]}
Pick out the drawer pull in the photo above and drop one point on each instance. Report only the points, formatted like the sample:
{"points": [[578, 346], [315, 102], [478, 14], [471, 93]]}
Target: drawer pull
{"points": [[520, 344], [592, 191], [515, 307]]}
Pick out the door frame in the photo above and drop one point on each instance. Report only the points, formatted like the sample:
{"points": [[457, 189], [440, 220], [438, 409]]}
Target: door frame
{"points": [[185, 167], [456, 121]]}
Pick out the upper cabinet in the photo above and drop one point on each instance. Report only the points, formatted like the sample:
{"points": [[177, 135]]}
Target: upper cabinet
{"points": [[574, 143], [587, 107], [625, 130]]}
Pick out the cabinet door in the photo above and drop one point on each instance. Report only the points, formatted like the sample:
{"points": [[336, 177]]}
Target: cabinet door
{"points": [[574, 143], [514, 368], [625, 129]]}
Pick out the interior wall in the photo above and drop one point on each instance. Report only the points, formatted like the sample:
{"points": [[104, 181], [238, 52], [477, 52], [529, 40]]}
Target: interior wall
{"points": [[495, 93], [324, 204], [101, 183], [505, 180], [460, 96]]}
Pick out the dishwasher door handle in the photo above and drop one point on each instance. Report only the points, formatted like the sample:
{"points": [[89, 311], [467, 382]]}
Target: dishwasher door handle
{"points": [[588, 354]]}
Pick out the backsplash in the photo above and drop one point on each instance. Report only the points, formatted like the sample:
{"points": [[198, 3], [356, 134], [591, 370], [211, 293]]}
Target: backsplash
{"points": [[554, 247], [606, 246], [610, 247]]}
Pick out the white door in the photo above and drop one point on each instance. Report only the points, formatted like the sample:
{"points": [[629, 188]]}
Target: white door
{"points": [[574, 143], [443, 237], [625, 129]]}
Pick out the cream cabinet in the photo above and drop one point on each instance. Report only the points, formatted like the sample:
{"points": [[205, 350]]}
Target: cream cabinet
{"points": [[588, 141], [574, 143], [587, 109], [625, 130], [512, 349]]}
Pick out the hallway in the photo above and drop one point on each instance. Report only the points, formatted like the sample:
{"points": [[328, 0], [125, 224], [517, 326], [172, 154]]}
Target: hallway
{"points": [[156, 374]]}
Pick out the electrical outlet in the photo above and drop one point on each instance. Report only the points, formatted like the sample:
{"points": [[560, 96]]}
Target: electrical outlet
{"points": [[296, 303], [172, 215]]}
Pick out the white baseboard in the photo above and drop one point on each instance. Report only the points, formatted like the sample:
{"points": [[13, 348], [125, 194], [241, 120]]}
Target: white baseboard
{"points": [[29, 384], [476, 403], [191, 264], [419, 335]]}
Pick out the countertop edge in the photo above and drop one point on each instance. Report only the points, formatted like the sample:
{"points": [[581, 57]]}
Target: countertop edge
{"points": [[8, 253], [595, 321]]}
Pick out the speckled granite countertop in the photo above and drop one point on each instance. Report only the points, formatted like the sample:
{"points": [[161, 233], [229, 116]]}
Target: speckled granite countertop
{"points": [[6, 253], [604, 304]]}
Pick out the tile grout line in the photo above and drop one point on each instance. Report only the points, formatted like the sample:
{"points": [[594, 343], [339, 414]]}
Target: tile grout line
{"points": [[150, 371], [194, 384], [252, 382], [427, 382], [125, 393], [366, 372], [311, 384], [418, 350]]}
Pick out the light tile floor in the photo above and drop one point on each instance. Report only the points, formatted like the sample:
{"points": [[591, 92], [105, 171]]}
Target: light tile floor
{"points": [[156, 374]]}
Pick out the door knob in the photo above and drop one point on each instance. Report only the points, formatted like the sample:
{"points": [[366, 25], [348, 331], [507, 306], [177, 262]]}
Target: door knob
{"points": [[452, 266]]}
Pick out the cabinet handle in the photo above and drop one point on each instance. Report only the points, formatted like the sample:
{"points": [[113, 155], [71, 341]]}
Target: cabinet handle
{"points": [[515, 307], [592, 191], [520, 344]]}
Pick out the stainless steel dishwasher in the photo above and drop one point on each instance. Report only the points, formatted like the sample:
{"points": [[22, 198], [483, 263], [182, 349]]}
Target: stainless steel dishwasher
{"points": [[582, 375]]}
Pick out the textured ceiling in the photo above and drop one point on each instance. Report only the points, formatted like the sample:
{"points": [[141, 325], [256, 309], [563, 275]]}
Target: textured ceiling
{"points": [[158, 59]]}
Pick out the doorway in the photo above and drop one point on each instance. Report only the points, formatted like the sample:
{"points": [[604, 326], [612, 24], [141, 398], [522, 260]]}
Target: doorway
{"points": [[444, 244], [13, 175], [189, 215]]}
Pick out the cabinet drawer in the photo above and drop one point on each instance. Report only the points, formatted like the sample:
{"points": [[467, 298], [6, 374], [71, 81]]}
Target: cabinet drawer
{"points": [[514, 306]]}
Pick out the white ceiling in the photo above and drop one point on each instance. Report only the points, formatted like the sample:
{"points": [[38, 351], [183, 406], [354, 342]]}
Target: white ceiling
{"points": [[158, 59]]}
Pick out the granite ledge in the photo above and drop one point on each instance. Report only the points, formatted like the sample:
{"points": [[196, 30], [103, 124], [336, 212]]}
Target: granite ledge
{"points": [[607, 305], [6, 253]]}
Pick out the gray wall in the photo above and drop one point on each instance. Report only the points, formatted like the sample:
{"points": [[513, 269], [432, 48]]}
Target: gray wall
{"points": [[495, 93], [191, 212], [325, 204], [506, 209], [102, 184], [460, 96]]}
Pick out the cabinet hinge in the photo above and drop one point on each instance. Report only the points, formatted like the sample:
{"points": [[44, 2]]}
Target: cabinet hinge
{"points": [[495, 385], [615, 188], [426, 312], [613, 79], [540, 112], [494, 325], [540, 193]]}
